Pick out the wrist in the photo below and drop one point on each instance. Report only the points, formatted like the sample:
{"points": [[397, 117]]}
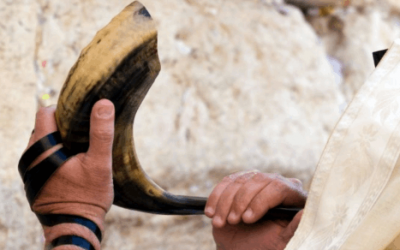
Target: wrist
{"points": [[58, 232], [68, 225], [69, 231]]}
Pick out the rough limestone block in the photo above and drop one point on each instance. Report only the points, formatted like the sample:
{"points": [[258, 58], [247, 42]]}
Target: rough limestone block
{"points": [[350, 36]]}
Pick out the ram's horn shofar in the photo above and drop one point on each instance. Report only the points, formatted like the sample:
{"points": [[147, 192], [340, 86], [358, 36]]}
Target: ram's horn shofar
{"points": [[120, 64], [318, 3]]}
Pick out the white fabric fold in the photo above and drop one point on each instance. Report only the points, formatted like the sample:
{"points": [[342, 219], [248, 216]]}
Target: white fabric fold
{"points": [[354, 199]]}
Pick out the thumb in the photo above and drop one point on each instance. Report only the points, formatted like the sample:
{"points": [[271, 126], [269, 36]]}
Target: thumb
{"points": [[101, 131], [289, 231]]}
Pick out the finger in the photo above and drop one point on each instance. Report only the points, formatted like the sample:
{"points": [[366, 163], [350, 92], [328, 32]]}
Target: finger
{"points": [[216, 193], [226, 199], [30, 140], [101, 131], [289, 231], [246, 194], [279, 192], [45, 123], [297, 182]]}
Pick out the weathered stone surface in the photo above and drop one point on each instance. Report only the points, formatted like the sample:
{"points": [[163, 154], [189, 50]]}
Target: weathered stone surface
{"points": [[18, 227], [393, 5], [350, 36], [244, 84]]}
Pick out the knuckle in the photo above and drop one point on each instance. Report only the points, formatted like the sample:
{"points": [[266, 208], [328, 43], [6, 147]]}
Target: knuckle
{"points": [[233, 176], [274, 176], [241, 179], [297, 182], [278, 176], [279, 184], [261, 177], [103, 135], [227, 179]]}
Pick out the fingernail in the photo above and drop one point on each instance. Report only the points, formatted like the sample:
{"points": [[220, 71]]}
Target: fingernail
{"points": [[209, 211], [105, 111], [232, 217], [248, 214], [217, 221]]}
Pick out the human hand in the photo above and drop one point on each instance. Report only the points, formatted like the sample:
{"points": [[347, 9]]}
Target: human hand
{"points": [[241, 199], [83, 185]]}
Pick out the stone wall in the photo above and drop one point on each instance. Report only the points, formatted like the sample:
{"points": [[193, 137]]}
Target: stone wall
{"points": [[244, 85]]}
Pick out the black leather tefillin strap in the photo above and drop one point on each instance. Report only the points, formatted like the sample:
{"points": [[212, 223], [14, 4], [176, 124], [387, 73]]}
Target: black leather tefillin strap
{"points": [[55, 219], [72, 240], [37, 149], [36, 177]]}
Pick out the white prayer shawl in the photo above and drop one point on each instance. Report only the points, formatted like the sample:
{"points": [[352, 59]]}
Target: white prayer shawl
{"points": [[354, 199]]}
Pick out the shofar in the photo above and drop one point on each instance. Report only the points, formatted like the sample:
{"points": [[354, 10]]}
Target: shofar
{"points": [[120, 64], [354, 200], [317, 3]]}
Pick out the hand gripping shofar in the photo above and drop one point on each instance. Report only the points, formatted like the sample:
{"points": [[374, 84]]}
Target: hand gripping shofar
{"points": [[120, 64]]}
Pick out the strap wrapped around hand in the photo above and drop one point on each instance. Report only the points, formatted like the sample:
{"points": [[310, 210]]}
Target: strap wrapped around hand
{"points": [[37, 149], [36, 177]]}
